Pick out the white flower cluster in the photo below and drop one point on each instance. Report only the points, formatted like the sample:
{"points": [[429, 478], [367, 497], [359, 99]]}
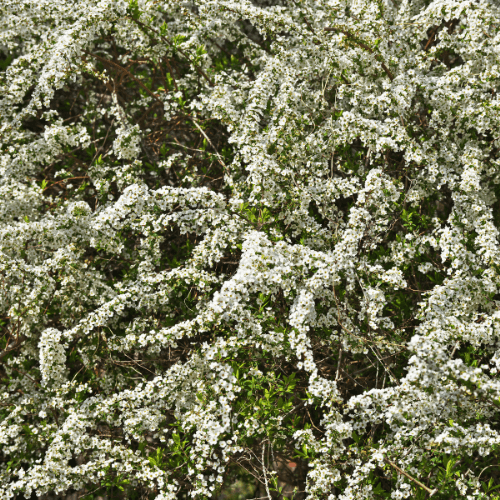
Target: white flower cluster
{"points": [[200, 199], [52, 357]]}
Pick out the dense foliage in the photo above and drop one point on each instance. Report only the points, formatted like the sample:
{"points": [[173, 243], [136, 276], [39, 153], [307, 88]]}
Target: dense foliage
{"points": [[250, 241]]}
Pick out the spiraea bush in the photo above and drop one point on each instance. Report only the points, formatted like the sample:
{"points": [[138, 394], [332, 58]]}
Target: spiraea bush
{"points": [[250, 242]]}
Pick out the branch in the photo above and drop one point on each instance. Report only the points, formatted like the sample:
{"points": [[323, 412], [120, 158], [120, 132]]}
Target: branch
{"points": [[401, 471], [219, 158], [378, 57], [431, 38], [198, 70], [264, 470], [13, 347], [121, 68]]}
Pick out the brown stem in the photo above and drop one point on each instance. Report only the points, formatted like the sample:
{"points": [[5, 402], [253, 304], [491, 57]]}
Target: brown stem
{"points": [[417, 482], [378, 57], [126, 71], [13, 347], [198, 70], [431, 38], [219, 158]]}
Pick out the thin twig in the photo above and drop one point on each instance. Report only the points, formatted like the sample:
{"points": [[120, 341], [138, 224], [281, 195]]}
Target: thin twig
{"points": [[339, 362], [387, 369], [354, 380], [416, 481], [378, 57], [126, 71], [208, 140], [197, 69], [11, 347], [264, 470]]}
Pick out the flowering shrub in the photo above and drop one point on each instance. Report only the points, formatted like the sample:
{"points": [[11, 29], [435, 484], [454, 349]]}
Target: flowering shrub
{"points": [[252, 240]]}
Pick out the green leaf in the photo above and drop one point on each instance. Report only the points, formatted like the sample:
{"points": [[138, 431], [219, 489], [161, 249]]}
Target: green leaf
{"points": [[133, 9]]}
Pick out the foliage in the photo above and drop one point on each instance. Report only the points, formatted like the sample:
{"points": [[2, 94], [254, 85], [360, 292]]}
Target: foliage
{"points": [[250, 243]]}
